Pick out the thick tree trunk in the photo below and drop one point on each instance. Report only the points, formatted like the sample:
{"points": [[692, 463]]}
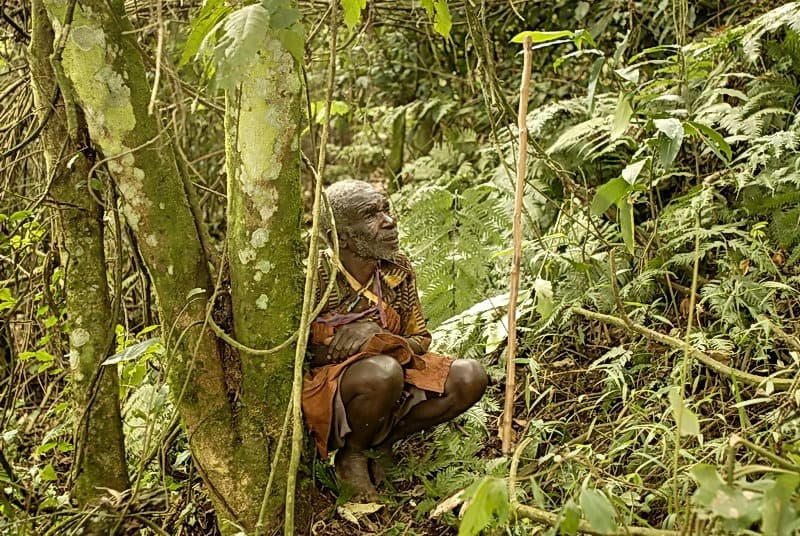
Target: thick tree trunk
{"points": [[104, 68], [107, 77], [100, 454], [265, 248]]}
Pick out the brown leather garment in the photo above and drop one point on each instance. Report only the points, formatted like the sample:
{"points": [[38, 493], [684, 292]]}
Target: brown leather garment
{"points": [[427, 371]]}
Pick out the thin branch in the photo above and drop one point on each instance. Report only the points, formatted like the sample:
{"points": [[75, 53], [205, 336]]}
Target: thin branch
{"points": [[310, 288], [522, 162], [708, 361], [549, 518]]}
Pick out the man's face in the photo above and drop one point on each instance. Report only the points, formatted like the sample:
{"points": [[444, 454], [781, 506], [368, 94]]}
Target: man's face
{"points": [[371, 230]]}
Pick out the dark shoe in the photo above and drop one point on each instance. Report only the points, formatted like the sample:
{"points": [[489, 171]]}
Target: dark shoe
{"points": [[352, 471]]}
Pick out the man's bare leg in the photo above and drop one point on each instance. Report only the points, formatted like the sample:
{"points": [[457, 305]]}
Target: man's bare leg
{"points": [[465, 385], [370, 389]]}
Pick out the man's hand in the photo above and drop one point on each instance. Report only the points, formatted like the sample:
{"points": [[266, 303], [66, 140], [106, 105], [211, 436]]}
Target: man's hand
{"points": [[349, 339]]}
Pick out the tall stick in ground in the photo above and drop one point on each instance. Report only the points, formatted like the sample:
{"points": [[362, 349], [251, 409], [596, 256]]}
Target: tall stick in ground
{"points": [[508, 410]]}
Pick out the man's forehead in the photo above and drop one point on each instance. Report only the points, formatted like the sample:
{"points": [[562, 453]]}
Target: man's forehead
{"points": [[365, 195]]}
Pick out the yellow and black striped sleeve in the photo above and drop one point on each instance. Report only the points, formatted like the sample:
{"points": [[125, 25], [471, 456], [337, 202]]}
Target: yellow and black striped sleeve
{"points": [[415, 328]]}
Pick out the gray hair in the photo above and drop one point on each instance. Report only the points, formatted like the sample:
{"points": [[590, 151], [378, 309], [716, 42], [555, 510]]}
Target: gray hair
{"points": [[340, 197]]}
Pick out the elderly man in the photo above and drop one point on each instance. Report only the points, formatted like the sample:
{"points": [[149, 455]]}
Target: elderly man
{"points": [[372, 380]]}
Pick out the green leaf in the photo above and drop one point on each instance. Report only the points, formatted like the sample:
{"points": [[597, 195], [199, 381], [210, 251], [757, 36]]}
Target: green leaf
{"points": [[722, 500], [632, 171], [243, 33], [670, 144], [671, 127], [428, 6], [7, 300], [570, 518], [626, 224], [48, 474], [622, 116], [195, 292], [631, 74], [598, 511], [442, 22], [293, 40], [132, 352], [46, 447], [488, 502], [211, 13], [712, 139], [594, 76], [352, 11], [284, 17], [541, 37], [544, 297], [778, 514], [19, 216], [689, 425], [608, 194]]}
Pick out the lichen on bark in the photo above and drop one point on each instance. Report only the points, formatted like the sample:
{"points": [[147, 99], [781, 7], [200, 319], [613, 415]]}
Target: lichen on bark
{"points": [[100, 455], [264, 225], [110, 84]]}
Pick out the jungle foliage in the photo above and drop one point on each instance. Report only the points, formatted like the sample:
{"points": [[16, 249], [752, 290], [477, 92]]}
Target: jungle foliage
{"points": [[659, 342]]}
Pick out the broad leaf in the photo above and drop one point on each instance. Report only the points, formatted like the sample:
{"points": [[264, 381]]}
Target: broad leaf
{"points": [[670, 145], [625, 215], [631, 74], [284, 17], [48, 474], [570, 518], [132, 352], [293, 40], [544, 297], [428, 6], [778, 514], [608, 194], [622, 116], [442, 22], [631, 171], [211, 13], [671, 127], [712, 139], [594, 76], [244, 32], [541, 37], [352, 11], [598, 511], [683, 415], [738, 509], [489, 502]]}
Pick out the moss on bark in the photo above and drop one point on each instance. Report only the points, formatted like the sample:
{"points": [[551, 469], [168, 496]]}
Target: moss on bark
{"points": [[265, 246], [100, 454], [105, 68]]}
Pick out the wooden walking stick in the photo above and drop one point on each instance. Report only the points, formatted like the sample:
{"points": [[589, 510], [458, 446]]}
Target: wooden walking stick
{"points": [[522, 160]]}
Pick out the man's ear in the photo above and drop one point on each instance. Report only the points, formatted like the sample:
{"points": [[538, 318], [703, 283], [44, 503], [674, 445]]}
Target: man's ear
{"points": [[345, 242]]}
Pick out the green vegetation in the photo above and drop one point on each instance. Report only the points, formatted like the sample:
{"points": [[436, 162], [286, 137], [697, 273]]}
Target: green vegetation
{"points": [[659, 319]]}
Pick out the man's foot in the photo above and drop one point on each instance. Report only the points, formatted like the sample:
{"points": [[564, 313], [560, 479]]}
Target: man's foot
{"points": [[352, 470], [380, 462]]}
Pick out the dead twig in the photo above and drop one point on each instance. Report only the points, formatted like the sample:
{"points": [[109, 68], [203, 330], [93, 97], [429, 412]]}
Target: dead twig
{"points": [[744, 377], [522, 161]]}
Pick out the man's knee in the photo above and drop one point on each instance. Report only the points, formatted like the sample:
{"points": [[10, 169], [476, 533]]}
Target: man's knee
{"points": [[379, 375], [467, 382]]}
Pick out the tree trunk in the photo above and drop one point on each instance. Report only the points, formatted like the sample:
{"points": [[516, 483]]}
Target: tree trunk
{"points": [[231, 448], [105, 70], [265, 248], [100, 453]]}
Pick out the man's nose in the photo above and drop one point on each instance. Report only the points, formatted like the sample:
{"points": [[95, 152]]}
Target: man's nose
{"points": [[388, 222]]}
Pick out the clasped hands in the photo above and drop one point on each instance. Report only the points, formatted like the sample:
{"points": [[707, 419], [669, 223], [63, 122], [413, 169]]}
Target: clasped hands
{"points": [[349, 339]]}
